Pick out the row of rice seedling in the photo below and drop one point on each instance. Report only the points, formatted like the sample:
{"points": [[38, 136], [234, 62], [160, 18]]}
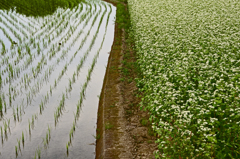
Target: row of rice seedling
{"points": [[26, 25], [3, 49], [29, 60], [6, 34], [46, 141], [84, 86], [34, 43], [13, 31], [31, 80], [188, 54], [14, 24], [59, 109]]}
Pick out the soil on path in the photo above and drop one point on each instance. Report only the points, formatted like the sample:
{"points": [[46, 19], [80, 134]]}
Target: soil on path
{"points": [[123, 130]]}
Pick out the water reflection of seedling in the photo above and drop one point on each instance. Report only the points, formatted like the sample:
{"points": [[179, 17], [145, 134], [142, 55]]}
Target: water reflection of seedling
{"points": [[11, 70], [70, 84], [14, 115], [10, 99], [58, 112], [22, 137], [39, 152], [1, 132], [32, 119], [19, 144], [0, 80], [38, 49], [74, 77], [5, 127], [49, 131], [73, 126], [29, 126], [51, 90], [1, 105], [17, 112], [16, 151]]}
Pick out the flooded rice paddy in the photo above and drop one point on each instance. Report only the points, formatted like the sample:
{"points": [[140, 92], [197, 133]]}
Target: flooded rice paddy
{"points": [[51, 75]]}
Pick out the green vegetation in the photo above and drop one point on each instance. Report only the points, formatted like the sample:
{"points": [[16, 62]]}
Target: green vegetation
{"points": [[42, 45], [108, 126], [188, 57], [37, 7]]}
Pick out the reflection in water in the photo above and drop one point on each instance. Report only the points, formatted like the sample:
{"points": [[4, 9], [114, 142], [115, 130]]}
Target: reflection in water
{"points": [[52, 72]]}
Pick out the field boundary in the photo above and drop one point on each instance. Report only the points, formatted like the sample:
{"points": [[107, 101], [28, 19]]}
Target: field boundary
{"points": [[123, 131]]}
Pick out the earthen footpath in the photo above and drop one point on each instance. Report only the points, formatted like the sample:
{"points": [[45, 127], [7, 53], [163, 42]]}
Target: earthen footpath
{"points": [[123, 130]]}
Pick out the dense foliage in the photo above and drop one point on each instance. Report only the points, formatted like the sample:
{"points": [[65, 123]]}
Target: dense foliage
{"points": [[189, 55], [37, 7]]}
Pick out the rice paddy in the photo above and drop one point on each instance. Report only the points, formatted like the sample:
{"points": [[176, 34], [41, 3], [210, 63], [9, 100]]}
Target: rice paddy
{"points": [[51, 73]]}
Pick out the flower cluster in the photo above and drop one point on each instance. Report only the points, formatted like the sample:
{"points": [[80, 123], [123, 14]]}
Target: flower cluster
{"points": [[189, 56]]}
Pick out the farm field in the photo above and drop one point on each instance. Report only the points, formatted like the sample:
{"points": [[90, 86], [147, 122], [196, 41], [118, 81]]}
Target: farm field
{"points": [[188, 55], [51, 72]]}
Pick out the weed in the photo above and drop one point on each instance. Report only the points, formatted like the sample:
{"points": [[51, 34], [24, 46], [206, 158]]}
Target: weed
{"points": [[97, 137], [108, 126], [144, 122], [122, 79], [129, 112]]}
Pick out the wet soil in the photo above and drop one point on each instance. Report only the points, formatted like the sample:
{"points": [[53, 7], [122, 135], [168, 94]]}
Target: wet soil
{"points": [[123, 130]]}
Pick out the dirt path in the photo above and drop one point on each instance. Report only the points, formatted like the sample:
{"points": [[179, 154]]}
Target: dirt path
{"points": [[123, 131]]}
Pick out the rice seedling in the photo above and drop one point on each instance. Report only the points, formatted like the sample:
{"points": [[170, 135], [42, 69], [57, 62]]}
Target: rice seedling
{"points": [[39, 152], [25, 56], [16, 150], [67, 147]]}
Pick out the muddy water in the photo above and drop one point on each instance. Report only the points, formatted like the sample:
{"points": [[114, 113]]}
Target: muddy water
{"points": [[46, 69]]}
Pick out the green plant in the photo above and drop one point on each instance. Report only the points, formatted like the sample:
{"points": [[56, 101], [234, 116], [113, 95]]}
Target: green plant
{"points": [[185, 83], [97, 137], [144, 122], [67, 147], [108, 126]]}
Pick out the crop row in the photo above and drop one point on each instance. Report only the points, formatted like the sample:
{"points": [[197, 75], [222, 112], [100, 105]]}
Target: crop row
{"points": [[188, 54], [33, 72]]}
